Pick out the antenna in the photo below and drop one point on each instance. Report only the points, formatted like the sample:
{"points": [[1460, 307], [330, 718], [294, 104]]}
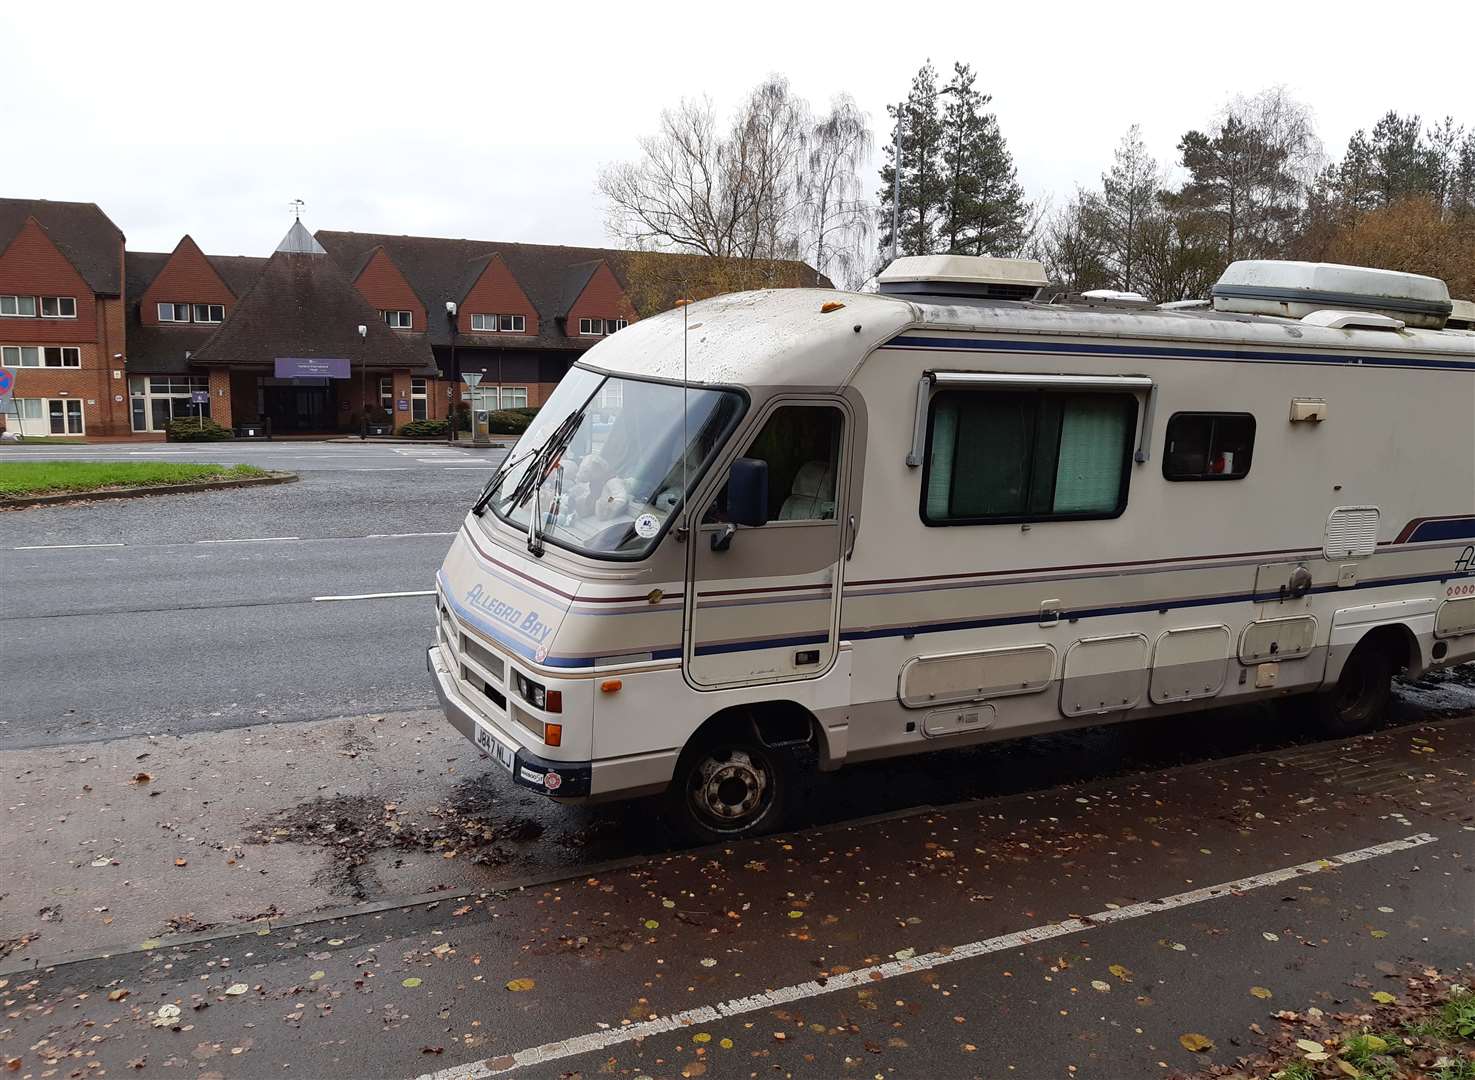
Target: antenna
{"points": [[297, 205], [685, 438]]}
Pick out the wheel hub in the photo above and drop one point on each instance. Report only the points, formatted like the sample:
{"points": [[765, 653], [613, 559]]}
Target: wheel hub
{"points": [[731, 788]]}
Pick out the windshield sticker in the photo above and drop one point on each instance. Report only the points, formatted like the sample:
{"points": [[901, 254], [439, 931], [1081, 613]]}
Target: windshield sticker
{"points": [[528, 625], [647, 525]]}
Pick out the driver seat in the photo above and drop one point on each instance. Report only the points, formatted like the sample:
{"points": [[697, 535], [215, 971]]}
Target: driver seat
{"points": [[812, 496]]}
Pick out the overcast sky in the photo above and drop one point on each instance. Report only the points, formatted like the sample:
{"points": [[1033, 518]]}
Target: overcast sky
{"points": [[491, 120]]}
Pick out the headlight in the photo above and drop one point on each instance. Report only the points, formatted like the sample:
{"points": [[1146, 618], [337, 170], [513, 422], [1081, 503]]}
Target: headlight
{"points": [[537, 695]]}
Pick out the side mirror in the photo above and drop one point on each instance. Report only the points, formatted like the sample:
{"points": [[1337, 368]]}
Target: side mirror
{"points": [[747, 492]]}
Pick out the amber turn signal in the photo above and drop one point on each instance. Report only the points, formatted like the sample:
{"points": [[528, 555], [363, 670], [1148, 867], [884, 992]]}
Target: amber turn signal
{"points": [[611, 686], [829, 306], [553, 734]]}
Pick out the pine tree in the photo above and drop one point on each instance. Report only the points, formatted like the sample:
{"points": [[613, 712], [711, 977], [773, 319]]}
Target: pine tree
{"points": [[921, 169], [983, 210]]}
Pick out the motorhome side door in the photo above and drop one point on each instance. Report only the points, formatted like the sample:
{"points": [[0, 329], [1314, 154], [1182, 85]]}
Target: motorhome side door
{"points": [[763, 602]]}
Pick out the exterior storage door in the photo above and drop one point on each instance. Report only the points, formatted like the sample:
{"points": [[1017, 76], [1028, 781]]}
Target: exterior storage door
{"points": [[766, 607]]}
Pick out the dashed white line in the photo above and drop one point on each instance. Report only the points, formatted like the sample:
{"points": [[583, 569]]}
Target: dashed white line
{"points": [[377, 595], [380, 468], [58, 547], [479, 468], [871, 974], [400, 536], [251, 540]]}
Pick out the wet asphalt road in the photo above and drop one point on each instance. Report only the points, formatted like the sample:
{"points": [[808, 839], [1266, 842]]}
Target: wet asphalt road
{"points": [[198, 616], [1076, 931]]}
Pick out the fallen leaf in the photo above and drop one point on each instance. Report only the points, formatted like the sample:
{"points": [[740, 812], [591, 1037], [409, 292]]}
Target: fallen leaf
{"points": [[1261, 992], [796, 914], [462, 910], [316, 975], [518, 985], [1382, 997], [696, 1068], [181, 862], [1346, 1068], [166, 1016], [1121, 971], [236, 989], [701, 1037], [137, 1063], [142, 778], [1379, 934], [1098, 984], [411, 982], [1268, 936], [708, 961], [652, 924], [117, 995], [1309, 1045], [904, 954], [1198, 1044]]}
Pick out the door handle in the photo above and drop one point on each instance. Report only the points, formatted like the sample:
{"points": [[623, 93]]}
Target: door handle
{"points": [[850, 547], [722, 538]]}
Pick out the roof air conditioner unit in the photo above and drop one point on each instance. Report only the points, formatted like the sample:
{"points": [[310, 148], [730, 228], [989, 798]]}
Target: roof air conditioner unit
{"points": [[1296, 289], [1461, 316], [972, 276]]}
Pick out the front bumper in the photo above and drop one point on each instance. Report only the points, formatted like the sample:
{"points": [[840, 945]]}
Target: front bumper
{"points": [[561, 780]]}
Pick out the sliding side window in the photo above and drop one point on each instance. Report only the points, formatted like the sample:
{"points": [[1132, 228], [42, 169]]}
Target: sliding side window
{"points": [[1026, 455], [1208, 446]]}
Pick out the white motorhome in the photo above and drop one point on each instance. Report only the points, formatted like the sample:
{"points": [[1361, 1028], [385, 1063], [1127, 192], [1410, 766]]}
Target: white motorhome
{"points": [[951, 512]]}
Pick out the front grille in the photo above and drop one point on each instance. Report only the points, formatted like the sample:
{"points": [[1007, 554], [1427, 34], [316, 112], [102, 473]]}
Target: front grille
{"points": [[486, 658], [477, 668], [527, 720]]}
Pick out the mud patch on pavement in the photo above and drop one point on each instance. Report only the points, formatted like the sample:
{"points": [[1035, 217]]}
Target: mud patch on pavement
{"points": [[352, 829], [1445, 692]]}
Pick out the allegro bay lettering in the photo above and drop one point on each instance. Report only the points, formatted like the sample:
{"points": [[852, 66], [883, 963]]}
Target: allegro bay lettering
{"points": [[528, 625]]}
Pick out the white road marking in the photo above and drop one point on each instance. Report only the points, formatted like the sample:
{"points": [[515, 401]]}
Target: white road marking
{"points": [[55, 547], [251, 540], [453, 468], [870, 975], [378, 595], [380, 468], [400, 536]]}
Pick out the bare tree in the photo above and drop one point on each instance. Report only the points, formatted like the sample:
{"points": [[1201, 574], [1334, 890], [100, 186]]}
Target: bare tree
{"points": [[1128, 195], [837, 217], [732, 194], [1073, 245]]}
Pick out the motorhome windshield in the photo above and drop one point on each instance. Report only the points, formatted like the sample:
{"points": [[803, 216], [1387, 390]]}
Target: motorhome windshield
{"points": [[608, 460]]}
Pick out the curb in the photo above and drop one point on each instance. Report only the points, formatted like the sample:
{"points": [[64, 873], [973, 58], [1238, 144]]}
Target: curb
{"points": [[7, 503], [501, 889]]}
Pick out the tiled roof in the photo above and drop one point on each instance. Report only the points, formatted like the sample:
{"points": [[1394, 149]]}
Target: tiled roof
{"points": [[441, 269], [305, 305], [81, 231], [160, 350]]}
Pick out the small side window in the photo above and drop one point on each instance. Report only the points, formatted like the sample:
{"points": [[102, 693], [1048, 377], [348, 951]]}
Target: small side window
{"points": [[1209, 446]]}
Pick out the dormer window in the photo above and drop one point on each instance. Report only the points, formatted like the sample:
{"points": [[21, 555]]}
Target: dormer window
{"points": [[611, 325], [209, 313], [399, 320], [505, 324], [58, 307], [20, 307], [591, 327], [174, 313]]}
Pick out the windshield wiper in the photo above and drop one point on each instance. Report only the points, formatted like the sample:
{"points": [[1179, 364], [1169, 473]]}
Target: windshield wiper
{"points": [[548, 456], [490, 490]]}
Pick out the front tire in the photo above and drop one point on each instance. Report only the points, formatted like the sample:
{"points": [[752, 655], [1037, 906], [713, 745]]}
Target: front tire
{"points": [[727, 788], [1361, 696]]}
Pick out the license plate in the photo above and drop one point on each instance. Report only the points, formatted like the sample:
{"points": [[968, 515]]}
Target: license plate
{"points": [[504, 756]]}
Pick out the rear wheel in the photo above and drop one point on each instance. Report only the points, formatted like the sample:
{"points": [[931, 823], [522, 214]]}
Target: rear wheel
{"points": [[726, 788], [1361, 695]]}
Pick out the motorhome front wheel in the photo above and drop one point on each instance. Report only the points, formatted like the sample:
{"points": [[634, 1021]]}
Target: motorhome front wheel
{"points": [[728, 789]]}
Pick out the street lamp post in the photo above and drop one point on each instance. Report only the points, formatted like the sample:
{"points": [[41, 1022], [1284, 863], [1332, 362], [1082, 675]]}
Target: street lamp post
{"points": [[363, 388], [453, 373]]}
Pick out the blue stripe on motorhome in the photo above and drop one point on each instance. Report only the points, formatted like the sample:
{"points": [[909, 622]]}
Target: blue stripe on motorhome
{"points": [[1167, 353], [1443, 529]]}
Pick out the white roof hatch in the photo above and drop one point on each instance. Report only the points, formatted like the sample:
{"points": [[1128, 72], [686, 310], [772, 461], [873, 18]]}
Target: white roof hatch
{"points": [[964, 275], [1297, 289]]}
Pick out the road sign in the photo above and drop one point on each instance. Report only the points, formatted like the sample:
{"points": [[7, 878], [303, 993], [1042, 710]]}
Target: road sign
{"points": [[7, 383], [199, 397], [471, 378]]}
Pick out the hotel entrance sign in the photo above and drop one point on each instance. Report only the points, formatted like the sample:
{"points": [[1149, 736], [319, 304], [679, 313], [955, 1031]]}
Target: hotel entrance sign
{"points": [[311, 367]]}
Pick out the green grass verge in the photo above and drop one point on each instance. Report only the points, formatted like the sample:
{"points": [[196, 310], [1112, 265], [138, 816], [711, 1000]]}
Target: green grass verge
{"points": [[22, 478]]}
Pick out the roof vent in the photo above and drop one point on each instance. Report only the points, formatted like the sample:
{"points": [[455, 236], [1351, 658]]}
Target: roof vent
{"points": [[1296, 289], [1115, 296], [964, 275], [1461, 316]]}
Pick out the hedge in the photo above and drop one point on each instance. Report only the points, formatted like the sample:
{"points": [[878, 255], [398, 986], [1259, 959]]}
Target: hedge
{"points": [[424, 429], [196, 430]]}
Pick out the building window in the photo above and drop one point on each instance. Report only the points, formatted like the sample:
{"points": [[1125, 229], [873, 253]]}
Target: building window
{"points": [[386, 393], [22, 307], [513, 397], [611, 325], [209, 313], [419, 399], [58, 307], [484, 323], [52, 356], [400, 320], [997, 456], [591, 327], [174, 313], [157, 399], [512, 324], [1208, 446]]}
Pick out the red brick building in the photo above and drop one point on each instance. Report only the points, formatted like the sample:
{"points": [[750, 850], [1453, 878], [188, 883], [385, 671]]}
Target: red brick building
{"points": [[61, 318], [328, 333]]}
